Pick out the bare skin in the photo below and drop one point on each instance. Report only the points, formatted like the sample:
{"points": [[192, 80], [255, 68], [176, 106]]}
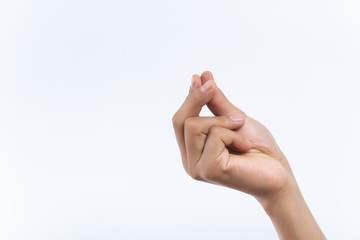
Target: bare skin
{"points": [[236, 151]]}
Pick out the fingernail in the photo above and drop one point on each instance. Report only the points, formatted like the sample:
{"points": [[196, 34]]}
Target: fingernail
{"points": [[237, 118], [192, 82], [206, 87]]}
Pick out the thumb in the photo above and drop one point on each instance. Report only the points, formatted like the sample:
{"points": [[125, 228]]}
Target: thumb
{"points": [[219, 105]]}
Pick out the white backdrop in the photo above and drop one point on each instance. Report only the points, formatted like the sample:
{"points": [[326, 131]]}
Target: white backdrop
{"points": [[88, 89]]}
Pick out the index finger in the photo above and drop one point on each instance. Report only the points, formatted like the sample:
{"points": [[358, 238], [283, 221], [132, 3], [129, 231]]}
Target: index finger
{"points": [[191, 107]]}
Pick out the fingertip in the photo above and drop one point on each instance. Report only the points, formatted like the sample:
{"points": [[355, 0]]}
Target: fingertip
{"points": [[195, 82], [237, 117], [237, 121], [201, 95], [206, 76]]}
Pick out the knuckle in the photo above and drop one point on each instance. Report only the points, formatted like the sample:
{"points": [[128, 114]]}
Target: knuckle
{"points": [[195, 175], [214, 169], [175, 120], [215, 131], [208, 172], [191, 124]]}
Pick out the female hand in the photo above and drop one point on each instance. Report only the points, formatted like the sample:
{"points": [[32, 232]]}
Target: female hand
{"points": [[236, 151], [229, 149]]}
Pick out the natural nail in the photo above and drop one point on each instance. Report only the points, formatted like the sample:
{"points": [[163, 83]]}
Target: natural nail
{"points": [[237, 117], [206, 87]]}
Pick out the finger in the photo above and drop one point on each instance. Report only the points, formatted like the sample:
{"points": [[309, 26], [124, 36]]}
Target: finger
{"points": [[196, 130], [191, 108], [195, 82], [219, 104], [214, 161]]}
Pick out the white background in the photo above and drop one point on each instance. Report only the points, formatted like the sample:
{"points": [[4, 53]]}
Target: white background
{"points": [[88, 89]]}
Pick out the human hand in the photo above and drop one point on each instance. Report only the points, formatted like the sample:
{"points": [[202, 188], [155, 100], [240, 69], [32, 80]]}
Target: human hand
{"points": [[242, 155], [238, 154]]}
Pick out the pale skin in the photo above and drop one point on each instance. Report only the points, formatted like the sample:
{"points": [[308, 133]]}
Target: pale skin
{"points": [[234, 150]]}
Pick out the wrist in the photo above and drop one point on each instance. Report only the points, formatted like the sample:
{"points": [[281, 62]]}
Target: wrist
{"points": [[288, 196], [290, 214]]}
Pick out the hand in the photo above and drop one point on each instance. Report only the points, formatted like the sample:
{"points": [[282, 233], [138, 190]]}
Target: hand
{"points": [[238, 154], [236, 151]]}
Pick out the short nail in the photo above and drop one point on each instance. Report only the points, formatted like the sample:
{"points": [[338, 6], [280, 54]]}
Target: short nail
{"points": [[237, 118], [206, 87]]}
